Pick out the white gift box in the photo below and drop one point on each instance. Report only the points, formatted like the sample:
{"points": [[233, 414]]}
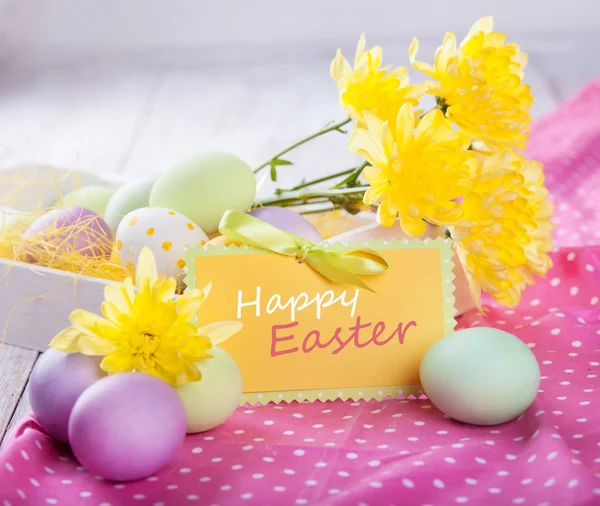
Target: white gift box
{"points": [[35, 302]]}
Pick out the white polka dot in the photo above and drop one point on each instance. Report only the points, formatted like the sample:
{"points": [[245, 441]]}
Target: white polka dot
{"points": [[531, 459], [269, 422], [299, 453], [247, 495], [85, 493], [479, 460], [279, 488], [205, 479], [594, 301], [237, 467], [527, 481], [24, 454], [555, 281], [216, 459], [571, 255], [509, 456], [226, 488], [418, 462], [450, 460], [258, 476], [247, 447], [555, 332], [375, 463], [438, 483], [185, 470], [470, 481], [408, 483], [197, 450], [518, 500], [51, 500], [550, 482], [576, 344], [502, 473], [34, 482], [140, 497], [288, 433], [311, 483], [574, 290], [495, 490], [352, 456], [573, 483], [461, 499], [535, 302], [301, 501]]}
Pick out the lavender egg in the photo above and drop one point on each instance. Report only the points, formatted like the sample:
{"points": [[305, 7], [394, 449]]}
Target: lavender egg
{"points": [[127, 426], [56, 382], [72, 228], [289, 221]]}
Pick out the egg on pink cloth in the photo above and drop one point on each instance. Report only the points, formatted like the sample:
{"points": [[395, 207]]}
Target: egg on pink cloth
{"points": [[289, 221], [56, 382], [127, 426], [72, 228]]}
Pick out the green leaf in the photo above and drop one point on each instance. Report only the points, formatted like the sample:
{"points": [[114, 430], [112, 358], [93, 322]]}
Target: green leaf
{"points": [[273, 171], [280, 161]]}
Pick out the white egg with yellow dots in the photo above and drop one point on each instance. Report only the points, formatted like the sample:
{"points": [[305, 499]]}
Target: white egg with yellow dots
{"points": [[165, 232]]}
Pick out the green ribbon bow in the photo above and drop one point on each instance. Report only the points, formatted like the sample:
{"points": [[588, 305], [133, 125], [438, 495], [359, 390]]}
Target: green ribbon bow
{"points": [[337, 266]]}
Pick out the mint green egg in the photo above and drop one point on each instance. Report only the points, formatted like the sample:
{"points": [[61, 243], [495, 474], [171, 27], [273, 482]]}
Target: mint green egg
{"points": [[93, 197], [481, 376], [129, 197], [204, 187], [213, 399]]}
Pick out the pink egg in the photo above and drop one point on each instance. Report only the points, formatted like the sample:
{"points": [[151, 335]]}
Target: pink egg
{"points": [[288, 220], [127, 426], [75, 228], [56, 382]]}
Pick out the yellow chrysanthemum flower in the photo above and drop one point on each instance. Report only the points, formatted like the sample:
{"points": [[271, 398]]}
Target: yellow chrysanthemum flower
{"points": [[480, 85], [507, 230], [417, 173], [149, 331], [368, 87]]}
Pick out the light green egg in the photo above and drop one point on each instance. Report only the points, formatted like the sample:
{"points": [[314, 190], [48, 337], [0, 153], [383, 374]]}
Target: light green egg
{"points": [[481, 376], [127, 198], [204, 187], [92, 197], [213, 399]]}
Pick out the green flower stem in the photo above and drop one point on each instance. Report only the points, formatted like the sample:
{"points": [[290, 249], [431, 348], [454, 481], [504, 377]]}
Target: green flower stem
{"points": [[335, 126], [307, 196], [354, 175], [320, 180], [321, 210]]}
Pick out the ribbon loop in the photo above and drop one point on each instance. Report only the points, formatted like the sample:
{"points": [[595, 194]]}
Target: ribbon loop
{"points": [[337, 266]]}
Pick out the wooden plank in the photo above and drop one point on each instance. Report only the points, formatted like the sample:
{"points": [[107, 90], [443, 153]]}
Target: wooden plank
{"points": [[22, 410], [15, 367], [77, 117]]}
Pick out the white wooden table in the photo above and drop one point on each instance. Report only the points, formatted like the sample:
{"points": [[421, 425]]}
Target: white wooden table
{"points": [[112, 118]]}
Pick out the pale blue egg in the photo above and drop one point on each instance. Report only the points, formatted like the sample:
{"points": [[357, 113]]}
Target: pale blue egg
{"points": [[481, 376]]}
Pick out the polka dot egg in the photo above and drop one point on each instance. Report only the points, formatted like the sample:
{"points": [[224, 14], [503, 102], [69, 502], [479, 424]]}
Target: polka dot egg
{"points": [[165, 232]]}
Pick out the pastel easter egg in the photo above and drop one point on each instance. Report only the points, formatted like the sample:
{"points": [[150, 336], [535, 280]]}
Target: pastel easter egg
{"points": [[92, 197], [165, 232], [66, 229], [481, 376], [213, 399], [127, 426], [289, 221], [129, 197], [55, 384], [204, 187]]}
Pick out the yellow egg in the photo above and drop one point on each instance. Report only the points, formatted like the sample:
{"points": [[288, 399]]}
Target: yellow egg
{"points": [[221, 240], [213, 399]]}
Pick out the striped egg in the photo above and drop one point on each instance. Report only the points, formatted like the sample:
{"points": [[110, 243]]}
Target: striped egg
{"points": [[165, 232]]}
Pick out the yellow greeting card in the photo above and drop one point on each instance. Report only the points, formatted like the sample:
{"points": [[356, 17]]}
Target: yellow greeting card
{"points": [[305, 337]]}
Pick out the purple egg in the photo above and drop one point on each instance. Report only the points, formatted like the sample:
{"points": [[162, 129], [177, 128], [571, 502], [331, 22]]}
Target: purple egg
{"points": [[127, 426], [75, 228], [56, 382], [288, 220]]}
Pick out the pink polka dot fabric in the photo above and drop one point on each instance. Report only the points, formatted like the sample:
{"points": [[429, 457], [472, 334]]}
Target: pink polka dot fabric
{"points": [[402, 452]]}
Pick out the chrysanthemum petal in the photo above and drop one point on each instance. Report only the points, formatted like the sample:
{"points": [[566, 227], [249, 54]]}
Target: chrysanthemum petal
{"points": [[67, 340], [220, 331], [146, 272]]}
